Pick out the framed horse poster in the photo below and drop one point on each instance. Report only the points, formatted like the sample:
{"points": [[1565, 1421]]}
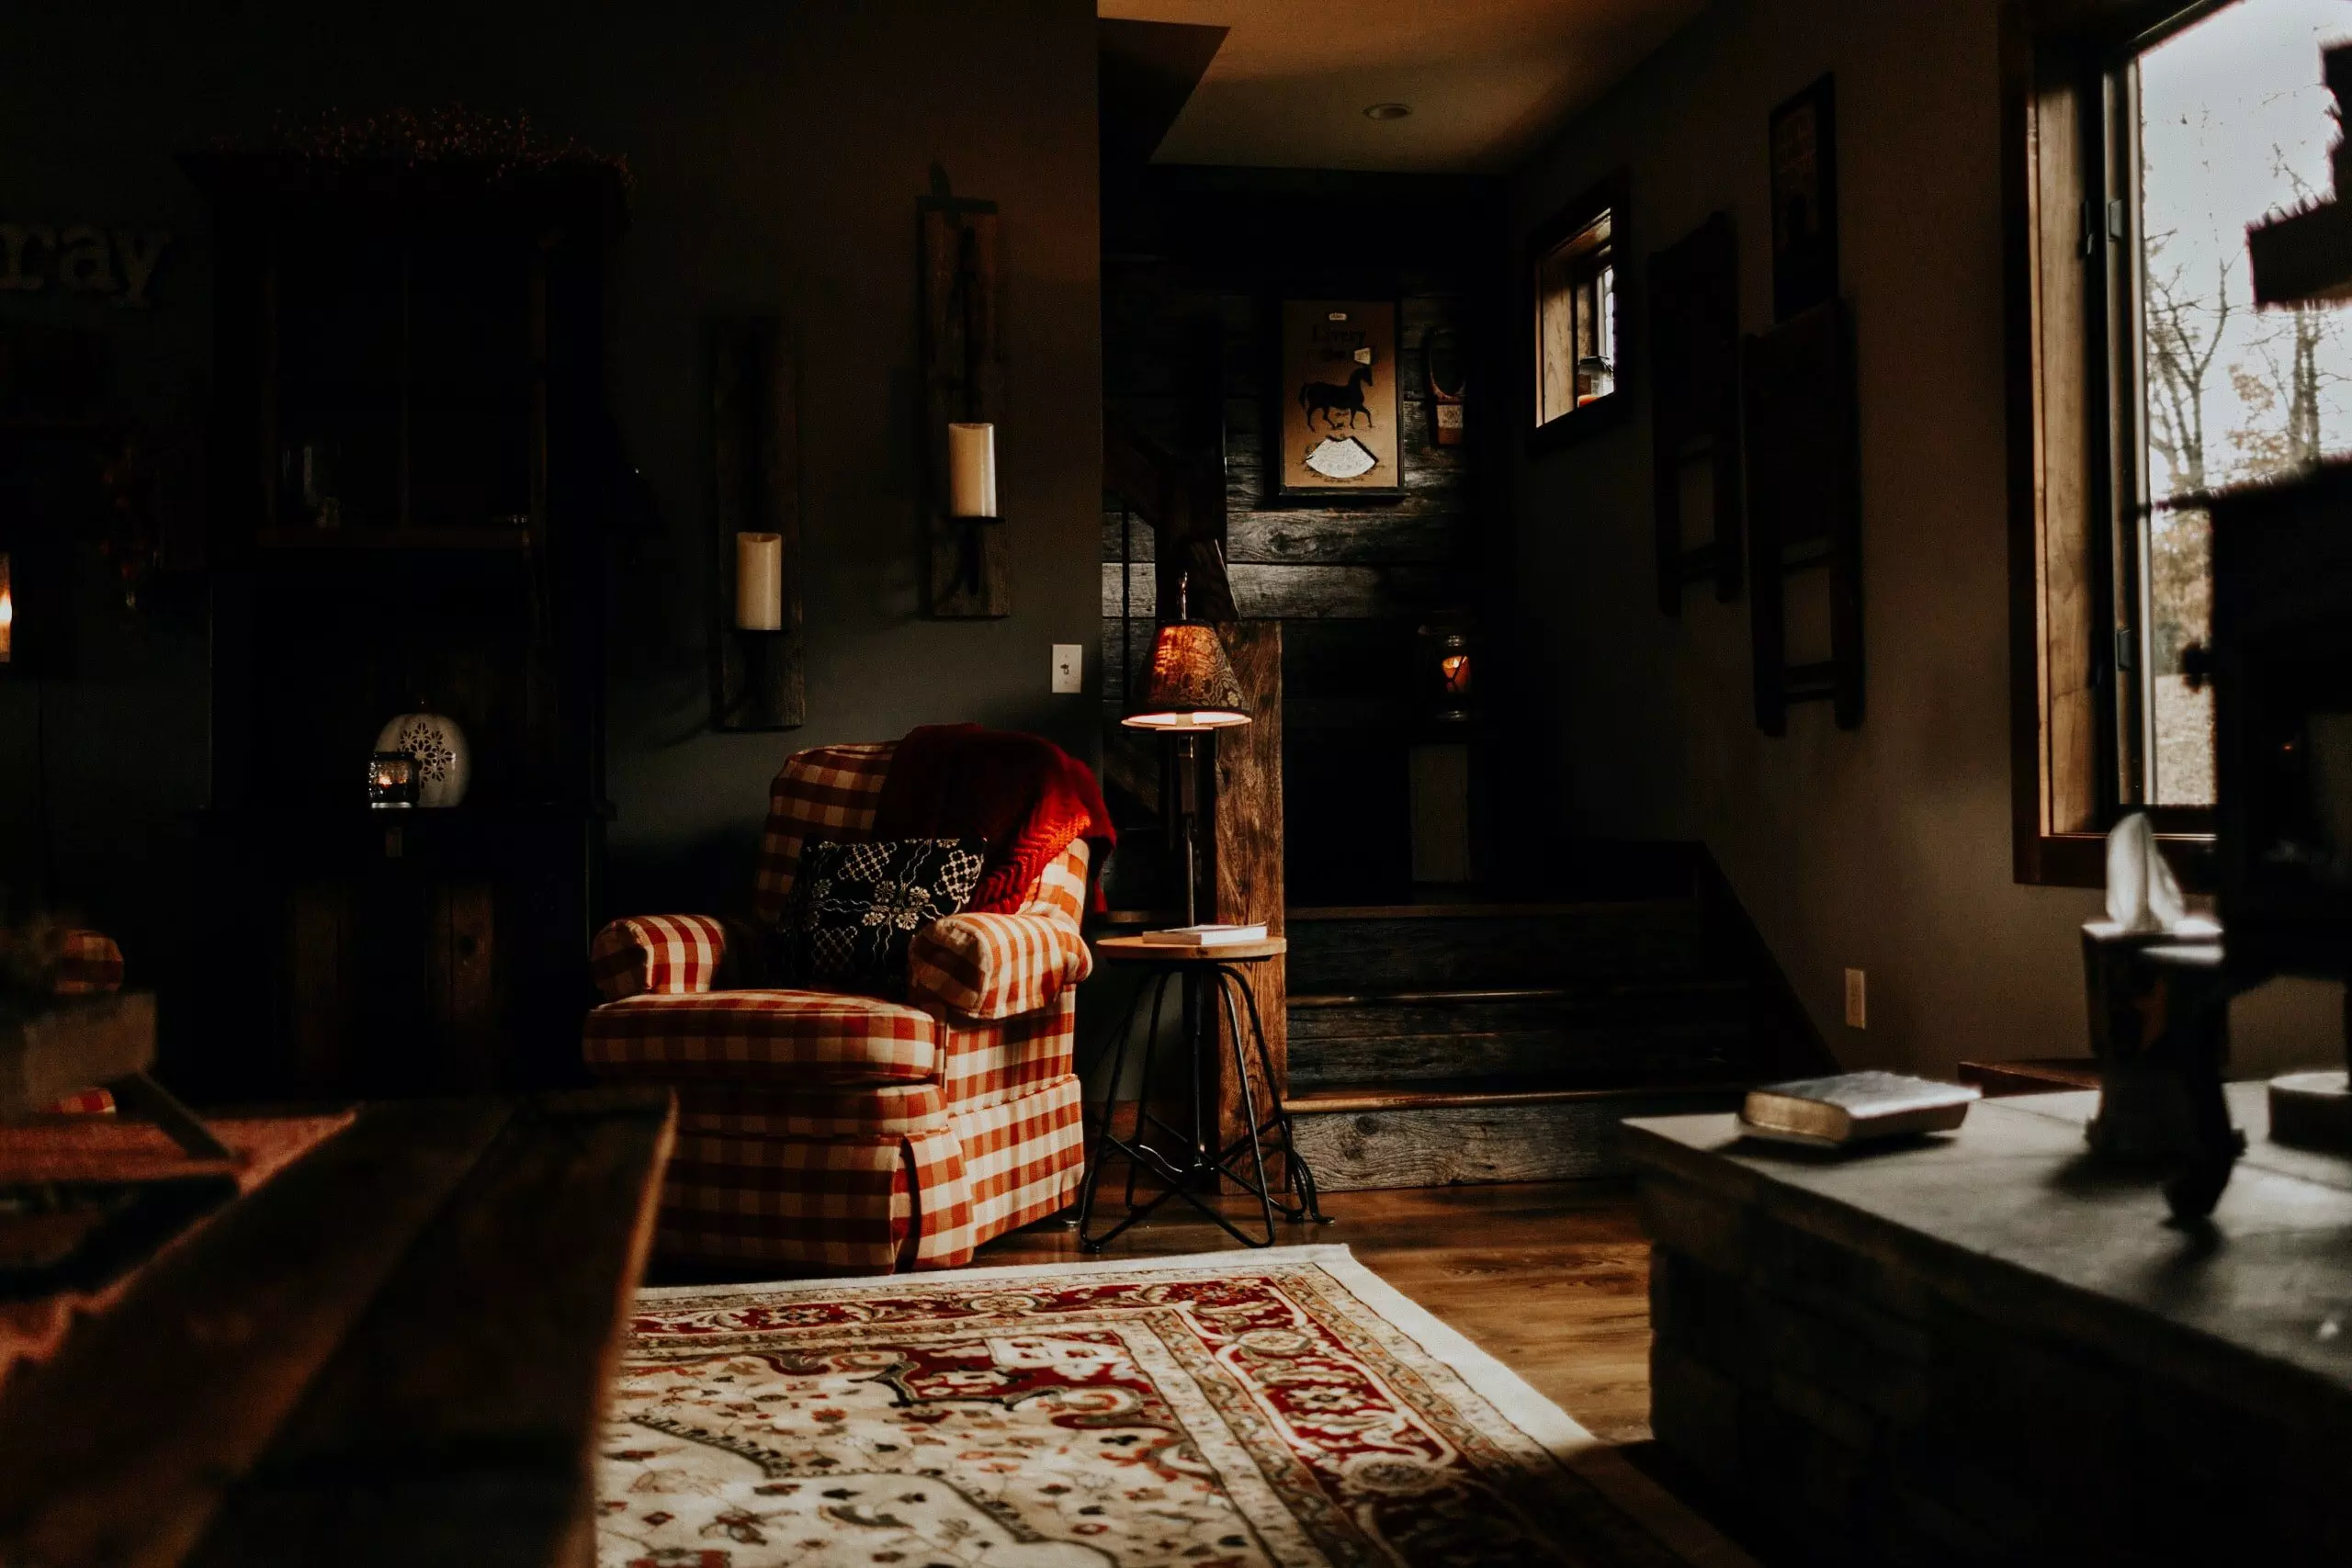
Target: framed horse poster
{"points": [[1338, 409]]}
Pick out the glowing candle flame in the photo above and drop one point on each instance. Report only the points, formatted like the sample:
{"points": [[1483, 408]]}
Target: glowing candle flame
{"points": [[7, 614]]}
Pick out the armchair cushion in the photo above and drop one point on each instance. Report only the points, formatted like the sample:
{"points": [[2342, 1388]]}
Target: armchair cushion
{"points": [[660, 954], [798, 1040], [858, 906]]}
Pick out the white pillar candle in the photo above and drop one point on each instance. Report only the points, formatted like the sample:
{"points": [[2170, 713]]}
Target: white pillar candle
{"points": [[759, 582], [971, 470]]}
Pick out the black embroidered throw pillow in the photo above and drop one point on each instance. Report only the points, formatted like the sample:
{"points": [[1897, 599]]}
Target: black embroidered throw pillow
{"points": [[856, 906]]}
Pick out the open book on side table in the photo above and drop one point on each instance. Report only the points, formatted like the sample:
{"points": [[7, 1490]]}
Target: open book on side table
{"points": [[1854, 1108], [1204, 936]]}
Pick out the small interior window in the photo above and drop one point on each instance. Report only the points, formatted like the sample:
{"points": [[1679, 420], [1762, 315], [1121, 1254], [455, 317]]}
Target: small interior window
{"points": [[1575, 321]]}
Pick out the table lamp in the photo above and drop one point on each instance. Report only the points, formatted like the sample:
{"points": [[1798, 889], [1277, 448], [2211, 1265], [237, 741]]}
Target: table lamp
{"points": [[1189, 687]]}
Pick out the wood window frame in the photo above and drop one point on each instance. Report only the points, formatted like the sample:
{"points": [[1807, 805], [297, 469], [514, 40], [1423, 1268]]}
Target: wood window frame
{"points": [[2071, 304], [1610, 196]]}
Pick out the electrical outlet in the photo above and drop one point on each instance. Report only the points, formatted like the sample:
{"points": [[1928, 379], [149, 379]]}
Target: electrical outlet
{"points": [[1857, 1010], [1070, 669]]}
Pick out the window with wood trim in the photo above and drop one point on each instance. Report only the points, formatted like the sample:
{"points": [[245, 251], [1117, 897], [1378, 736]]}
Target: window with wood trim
{"points": [[2144, 138], [1572, 265]]}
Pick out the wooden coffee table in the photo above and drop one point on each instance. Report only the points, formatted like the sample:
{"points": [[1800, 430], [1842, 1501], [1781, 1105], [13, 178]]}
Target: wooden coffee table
{"points": [[394, 1351]]}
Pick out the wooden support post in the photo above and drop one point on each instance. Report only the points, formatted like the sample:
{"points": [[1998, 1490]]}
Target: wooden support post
{"points": [[1245, 857]]}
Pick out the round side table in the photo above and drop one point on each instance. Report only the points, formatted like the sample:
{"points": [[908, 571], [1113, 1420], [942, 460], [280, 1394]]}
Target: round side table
{"points": [[1207, 979]]}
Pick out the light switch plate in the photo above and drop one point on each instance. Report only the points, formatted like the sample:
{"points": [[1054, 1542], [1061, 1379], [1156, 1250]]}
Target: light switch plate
{"points": [[1070, 669], [1857, 999]]}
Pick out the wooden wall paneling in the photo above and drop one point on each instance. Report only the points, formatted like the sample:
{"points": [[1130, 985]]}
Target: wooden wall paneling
{"points": [[322, 926], [757, 681], [968, 566], [1290, 593], [462, 981], [1694, 408], [1246, 856], [1803, 509]]}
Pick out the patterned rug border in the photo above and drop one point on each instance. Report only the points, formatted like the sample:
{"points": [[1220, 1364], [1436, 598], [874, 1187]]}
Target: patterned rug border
{"points": [[1657, 1511]]}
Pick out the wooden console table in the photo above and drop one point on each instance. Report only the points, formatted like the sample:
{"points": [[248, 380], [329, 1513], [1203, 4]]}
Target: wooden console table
{"points": [[393, 1351], [1984, 1349]]}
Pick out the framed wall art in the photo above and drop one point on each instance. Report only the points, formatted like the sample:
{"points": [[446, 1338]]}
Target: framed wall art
{"points": [[1337, 400], [1804, 140]]}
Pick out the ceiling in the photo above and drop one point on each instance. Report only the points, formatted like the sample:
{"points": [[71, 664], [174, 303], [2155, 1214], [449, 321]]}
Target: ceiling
{"points": [[1485, 79]]}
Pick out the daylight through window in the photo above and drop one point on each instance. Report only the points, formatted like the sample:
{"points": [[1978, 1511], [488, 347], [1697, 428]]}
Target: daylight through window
{"points": [[2233, 124], [1575, 327]]}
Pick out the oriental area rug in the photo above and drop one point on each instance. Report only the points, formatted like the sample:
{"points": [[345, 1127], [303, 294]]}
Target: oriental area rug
{"points": [[1221, 1411]]}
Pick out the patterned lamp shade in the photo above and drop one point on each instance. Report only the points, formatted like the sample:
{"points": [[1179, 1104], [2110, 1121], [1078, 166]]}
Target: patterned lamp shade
{"points": [[1190, 684]]}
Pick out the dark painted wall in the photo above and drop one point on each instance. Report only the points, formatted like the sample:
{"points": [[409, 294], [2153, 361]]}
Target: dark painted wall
{"points": [[1886, 847], [777, 151]]}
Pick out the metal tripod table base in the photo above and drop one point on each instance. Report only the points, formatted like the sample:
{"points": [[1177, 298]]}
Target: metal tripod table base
{"points": [[1189, 1163]]}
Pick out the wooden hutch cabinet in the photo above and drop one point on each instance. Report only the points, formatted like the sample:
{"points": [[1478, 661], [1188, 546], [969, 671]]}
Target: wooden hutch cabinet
{"points": [[410, 458]]}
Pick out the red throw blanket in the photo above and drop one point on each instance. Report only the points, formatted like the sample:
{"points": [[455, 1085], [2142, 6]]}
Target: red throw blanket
{"points": [[1029, 799]]}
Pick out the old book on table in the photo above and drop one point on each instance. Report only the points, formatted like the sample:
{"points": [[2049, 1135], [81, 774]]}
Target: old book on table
{"points": [[1204, 936], [1854, 1108]]}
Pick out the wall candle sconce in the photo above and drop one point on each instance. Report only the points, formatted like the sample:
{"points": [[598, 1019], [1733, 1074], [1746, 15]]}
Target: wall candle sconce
{"points": [[758, 582], [756, 679], [971, 469], [967, 566]]}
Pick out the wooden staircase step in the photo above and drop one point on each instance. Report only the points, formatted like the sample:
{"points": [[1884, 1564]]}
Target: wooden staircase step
{"points": [[1596, 1034], [1453, 947], [1456, 1132]]}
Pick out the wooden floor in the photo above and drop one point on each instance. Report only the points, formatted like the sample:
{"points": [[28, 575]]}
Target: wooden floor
{"points": [[1550, 1278]]}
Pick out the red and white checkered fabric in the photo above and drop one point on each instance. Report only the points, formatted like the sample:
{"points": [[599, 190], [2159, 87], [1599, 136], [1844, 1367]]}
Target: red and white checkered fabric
{"points": [[988, 1063], [837, 1132], [991, 966], [923, 1199], [880, 1110], [1023, 1160], [660, 954], [88, 963], [830, 1204], [800, 1039], [1060, 892], [826, 793]]}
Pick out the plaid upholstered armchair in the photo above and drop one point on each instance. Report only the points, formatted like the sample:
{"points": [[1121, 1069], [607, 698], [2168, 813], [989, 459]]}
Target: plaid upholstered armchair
{"points": [[842, 1132]]}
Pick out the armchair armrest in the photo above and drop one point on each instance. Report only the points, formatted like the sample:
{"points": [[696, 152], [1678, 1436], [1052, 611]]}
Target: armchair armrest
{"points": [[88, 963], [671, 954], [991, 966]]}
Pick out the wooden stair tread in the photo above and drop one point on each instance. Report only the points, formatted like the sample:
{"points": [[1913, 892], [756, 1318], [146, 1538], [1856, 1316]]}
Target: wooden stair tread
{"points": [[1439, 1093], [1480, 912], [1725, 986]]}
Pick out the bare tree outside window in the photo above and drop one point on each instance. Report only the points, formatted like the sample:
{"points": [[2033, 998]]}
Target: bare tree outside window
{"points": [[2233, 125]]}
